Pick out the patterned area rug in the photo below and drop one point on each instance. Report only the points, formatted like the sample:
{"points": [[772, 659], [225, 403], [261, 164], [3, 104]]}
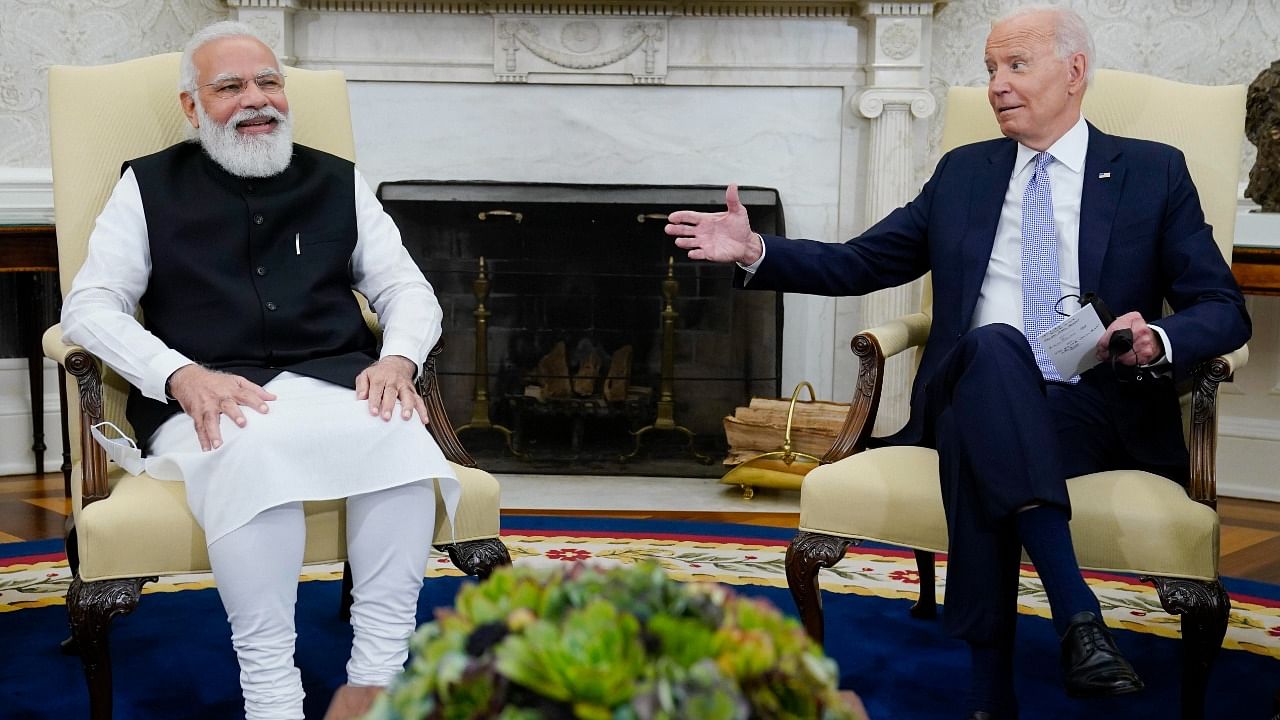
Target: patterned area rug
{"points": [[751, 558], [1254, 626]]}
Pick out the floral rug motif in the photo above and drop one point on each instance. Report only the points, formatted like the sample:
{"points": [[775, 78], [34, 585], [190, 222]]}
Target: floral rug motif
{"points": [[1254, 626]]}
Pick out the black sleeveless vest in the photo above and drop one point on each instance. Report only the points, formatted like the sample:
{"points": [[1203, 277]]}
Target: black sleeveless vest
{"points": [[250, 275]]}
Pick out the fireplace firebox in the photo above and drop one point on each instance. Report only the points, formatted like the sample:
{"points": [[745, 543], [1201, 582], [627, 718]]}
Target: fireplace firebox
{"points": [[577, 337]]}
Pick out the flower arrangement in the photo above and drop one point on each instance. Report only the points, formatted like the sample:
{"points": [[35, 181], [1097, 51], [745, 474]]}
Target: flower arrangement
{"points": [[625, 643]]}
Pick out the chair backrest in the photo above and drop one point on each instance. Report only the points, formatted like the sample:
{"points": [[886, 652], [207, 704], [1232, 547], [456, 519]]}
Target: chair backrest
{"points": [[102, 116], [1205, 122]]}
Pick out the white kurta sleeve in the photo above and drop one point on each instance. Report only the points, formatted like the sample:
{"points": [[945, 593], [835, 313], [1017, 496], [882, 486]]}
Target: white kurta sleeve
{"points": [[98, 313], [384, 273]]}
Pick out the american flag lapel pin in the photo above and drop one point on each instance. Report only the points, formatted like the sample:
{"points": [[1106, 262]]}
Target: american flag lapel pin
{"points": [[1104, 175]]}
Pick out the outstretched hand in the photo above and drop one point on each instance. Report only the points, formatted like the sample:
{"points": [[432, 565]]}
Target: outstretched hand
{"points": [[718, 237], [206, 395]]}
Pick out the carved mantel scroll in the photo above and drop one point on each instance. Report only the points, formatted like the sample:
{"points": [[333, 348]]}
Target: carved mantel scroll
{"points": [[870, 103], [570, 45]]}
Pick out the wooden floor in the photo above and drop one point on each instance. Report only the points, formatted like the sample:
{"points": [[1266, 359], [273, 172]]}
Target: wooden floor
{"points": [[35, 508]]}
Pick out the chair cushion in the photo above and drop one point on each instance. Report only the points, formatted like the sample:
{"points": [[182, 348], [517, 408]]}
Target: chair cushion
{"points": [[144, 527], [1122, 521]]}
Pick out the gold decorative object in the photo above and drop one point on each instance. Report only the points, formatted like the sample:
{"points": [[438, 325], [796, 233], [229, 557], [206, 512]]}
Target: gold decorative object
{"points": [[666, 398], [480, 398], [518, 217], [783, 468]]}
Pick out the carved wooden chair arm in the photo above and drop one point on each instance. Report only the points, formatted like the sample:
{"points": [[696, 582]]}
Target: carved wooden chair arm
{"points": [[439, 425], [78, 363], [1202, 443], [872, 347]]}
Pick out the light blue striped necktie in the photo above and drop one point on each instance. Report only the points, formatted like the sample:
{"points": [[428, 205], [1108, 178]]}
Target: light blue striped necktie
{"points": [[1041, 285]]}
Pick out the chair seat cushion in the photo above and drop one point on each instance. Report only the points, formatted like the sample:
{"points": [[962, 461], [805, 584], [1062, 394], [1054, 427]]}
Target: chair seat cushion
{"points": [[144, 528], [1122, 520]]}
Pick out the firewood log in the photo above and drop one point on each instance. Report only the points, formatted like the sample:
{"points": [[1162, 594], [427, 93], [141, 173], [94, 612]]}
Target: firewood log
{"points": [[552, 373], [584, 381], [619, 375]]}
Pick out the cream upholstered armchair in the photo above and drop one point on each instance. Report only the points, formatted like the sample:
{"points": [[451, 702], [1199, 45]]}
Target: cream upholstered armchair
{"points": [[130, 530], [1122, 521]]}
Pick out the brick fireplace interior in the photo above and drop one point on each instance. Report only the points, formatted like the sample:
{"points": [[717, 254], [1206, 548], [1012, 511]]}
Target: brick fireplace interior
{"points": [[583, 267]]}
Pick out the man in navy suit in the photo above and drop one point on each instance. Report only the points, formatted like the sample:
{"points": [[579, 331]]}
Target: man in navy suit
{"points": [[1008, 228]]}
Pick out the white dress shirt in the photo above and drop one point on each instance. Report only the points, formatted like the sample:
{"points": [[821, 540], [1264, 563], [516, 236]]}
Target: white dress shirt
{"points": [[1000, 300]]}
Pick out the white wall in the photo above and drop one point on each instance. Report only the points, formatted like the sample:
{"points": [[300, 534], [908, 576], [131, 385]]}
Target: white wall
{"points": [[16, 456]]}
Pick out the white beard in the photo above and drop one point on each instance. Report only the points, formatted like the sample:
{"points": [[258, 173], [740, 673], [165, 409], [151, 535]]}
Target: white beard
{"points": [[255, 156]]}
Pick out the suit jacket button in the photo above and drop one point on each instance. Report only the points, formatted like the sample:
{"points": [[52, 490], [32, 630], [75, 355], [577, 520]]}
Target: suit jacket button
{"points": [[262, 270], [258, 219], [271, 306]]}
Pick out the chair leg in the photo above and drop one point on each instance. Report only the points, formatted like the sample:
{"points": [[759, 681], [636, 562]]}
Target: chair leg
{"points": [[91, 607], [1205, 608], [68, 645], [808, 553], [926, 607], [478, 557]]}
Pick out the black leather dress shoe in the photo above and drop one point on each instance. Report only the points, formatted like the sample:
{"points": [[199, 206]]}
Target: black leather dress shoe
{"points": [[1091, 662], [981, 715]]}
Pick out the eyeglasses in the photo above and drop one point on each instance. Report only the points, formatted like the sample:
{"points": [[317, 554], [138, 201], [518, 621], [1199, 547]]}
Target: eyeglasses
{"points": [[270, 83]]}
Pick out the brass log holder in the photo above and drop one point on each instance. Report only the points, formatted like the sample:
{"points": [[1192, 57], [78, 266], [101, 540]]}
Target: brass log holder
{"points": [[480, 398], [666, 420]]}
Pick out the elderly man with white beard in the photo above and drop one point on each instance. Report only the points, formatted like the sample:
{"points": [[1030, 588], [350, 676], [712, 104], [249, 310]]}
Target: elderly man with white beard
{"points": [[241, 248]]}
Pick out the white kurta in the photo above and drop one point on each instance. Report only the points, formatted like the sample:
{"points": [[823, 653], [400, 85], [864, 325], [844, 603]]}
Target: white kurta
{"points": [[317, 441]]}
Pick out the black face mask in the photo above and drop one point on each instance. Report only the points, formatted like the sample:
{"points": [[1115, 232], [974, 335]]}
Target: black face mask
{"points": [[1120, 344]]}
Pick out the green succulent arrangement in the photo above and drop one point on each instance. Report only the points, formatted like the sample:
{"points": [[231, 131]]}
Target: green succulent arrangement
{"points": [[626, 643]]}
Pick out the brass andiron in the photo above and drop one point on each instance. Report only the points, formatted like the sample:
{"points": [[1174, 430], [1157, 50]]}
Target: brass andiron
{"points": [[480, 398], [666, 397]]}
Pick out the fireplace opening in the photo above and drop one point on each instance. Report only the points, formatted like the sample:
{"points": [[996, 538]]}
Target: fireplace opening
{"points": [[577, 337]]}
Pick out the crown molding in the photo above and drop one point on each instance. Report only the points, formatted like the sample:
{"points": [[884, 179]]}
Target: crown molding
{"points": [[26, 196], [670, 8]]}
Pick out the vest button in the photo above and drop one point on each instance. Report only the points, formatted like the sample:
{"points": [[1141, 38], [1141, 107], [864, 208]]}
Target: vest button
{"points": [[261, 271], [271, 306], [257, 219], [248, 188]]}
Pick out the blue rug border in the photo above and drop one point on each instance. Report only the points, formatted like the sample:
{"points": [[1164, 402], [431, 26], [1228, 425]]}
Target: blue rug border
{"points": [[31, 547], [513, 524]]}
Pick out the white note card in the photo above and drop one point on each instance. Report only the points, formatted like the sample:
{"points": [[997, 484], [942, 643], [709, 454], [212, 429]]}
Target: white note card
{"points": [[1072, 344]]}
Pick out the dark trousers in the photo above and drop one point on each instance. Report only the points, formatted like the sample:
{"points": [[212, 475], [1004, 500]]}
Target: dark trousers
{"points": [[1006, 439]]}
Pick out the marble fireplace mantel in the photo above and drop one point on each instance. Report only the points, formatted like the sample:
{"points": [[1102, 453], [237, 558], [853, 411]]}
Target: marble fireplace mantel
{"points": [[822, 99]]}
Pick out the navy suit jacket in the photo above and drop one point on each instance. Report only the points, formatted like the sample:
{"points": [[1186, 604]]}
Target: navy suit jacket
{"points": [[1143, 240]]}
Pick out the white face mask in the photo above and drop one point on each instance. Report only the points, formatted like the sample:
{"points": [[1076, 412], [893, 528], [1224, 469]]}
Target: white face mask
{"points": [[123, 450]]}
